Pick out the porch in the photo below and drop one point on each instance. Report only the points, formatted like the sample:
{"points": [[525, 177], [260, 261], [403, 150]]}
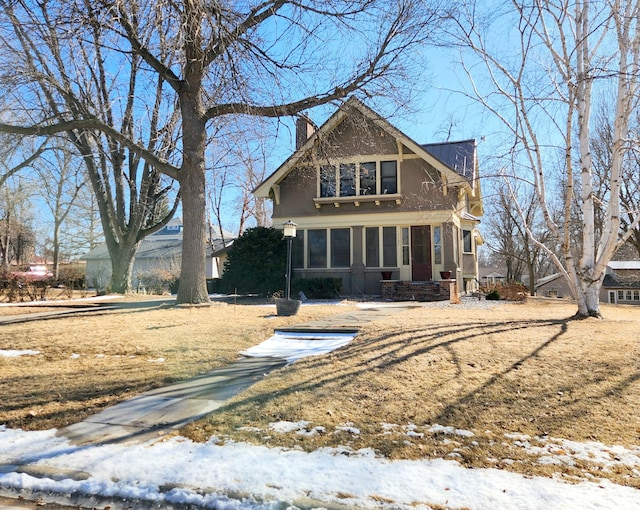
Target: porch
{"points": [[399, 290]]}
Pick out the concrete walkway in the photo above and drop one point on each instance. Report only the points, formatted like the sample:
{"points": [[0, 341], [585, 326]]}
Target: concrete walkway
{"points": [[162, 410], [157, 412]]}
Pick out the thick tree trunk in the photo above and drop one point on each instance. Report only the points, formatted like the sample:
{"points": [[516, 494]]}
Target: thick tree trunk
{"points": [[121, 268], [589, 300], [193, 285]]}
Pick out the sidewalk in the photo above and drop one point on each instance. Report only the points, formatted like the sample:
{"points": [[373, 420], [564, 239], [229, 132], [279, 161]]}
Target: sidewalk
{"points": [[158, 412], [162, 410]]}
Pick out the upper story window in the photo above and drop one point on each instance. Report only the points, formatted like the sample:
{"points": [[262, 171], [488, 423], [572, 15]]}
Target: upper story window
{"points": [[388, 177], [467, 244], [327, 181], [349, 179]]}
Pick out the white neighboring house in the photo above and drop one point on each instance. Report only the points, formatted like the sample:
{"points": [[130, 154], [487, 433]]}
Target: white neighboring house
{"points": [[161, 250]]}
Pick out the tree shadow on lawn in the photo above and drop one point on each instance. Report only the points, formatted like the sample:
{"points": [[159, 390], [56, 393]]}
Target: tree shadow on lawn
{"points": [[445, 374]]}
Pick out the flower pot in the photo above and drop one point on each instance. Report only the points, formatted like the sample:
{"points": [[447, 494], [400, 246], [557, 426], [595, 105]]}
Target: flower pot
{"points": [[386, 275], [287, 306], [445, 275]]}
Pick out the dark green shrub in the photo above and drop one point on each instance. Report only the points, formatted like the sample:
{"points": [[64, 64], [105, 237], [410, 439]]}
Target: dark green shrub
{"points": [[256, 263], [493, 295], [317, 288]]}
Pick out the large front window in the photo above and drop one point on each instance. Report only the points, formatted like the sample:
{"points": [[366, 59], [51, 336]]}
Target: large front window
{"points": [[340, 247], [389, 252], [317, 240], [349, 179], [328, 248], [380, 241], [372, 247]]}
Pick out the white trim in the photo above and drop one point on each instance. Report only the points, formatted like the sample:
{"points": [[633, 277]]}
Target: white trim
{"points": [[388, 219]]}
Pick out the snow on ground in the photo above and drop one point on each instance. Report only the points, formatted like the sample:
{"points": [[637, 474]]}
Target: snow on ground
{"points": [[240, 476], [294, 346], [179, 471], [14, 354]]}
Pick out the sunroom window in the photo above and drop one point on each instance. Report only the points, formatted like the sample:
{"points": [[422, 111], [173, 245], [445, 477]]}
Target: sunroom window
{"points": [[317, 240], [374, 248]]}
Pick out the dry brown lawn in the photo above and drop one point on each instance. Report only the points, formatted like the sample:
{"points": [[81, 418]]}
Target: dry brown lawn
{"points": [[513, 375]]}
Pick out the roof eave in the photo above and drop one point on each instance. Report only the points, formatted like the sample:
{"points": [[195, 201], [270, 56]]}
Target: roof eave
{"points": [[263, 190]]}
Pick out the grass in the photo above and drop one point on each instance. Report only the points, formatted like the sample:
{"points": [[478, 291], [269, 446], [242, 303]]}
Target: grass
{"points": [[516, 376]]}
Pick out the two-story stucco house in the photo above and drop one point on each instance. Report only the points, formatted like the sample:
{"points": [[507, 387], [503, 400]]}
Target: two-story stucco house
{"points": [[369, 200]]}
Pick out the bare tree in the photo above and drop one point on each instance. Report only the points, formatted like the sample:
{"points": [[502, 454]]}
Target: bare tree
{"points": [[17, 237], [508, 238], [55, 54], [266, 58], [560, 57], [601, 146], [14, 157], [82, 230], [60, 180]]}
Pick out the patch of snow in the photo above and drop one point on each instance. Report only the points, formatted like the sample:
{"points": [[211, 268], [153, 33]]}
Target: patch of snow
{"points": [[16, 354], [295, 346], [157, 360], [439, 429], [562, 451], [285, 427], [277, 478], [348, 428]]}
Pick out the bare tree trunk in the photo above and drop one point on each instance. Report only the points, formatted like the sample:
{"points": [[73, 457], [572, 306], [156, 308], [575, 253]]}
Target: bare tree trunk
{"points": [[193, 285], [121, 267]]}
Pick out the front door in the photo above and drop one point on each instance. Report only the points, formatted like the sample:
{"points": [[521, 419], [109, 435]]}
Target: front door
{"points": [[421, 253]]}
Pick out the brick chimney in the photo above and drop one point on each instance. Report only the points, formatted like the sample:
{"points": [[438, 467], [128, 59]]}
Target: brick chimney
{"points": [[304, 129]]}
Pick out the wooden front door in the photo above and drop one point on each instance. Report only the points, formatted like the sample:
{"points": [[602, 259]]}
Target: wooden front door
{"points": [[421, 253]]}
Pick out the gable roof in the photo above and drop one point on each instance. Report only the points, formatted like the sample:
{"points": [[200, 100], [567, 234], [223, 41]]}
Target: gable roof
{"points": [[547, 279], [452, 152]]}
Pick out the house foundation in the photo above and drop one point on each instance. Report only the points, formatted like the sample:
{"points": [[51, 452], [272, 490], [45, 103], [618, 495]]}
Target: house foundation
{"points": [[398, 290]]}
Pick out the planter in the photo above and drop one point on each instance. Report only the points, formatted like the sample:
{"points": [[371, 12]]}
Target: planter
{"points": [[445, 275], [386, 275], [287, 306]]}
